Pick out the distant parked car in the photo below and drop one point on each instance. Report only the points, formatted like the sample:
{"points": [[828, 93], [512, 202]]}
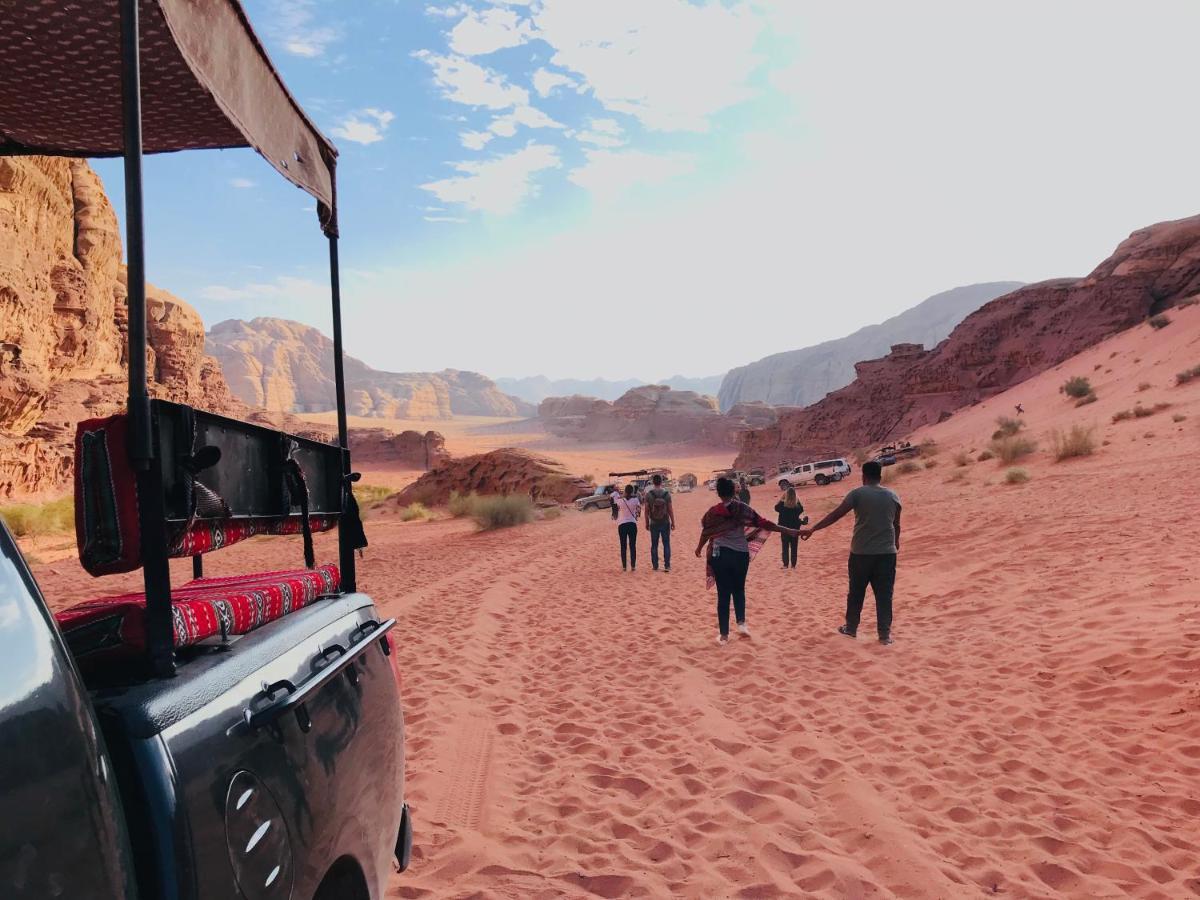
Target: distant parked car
{"points": [[822, 472], [600, 499], [756, 477]]}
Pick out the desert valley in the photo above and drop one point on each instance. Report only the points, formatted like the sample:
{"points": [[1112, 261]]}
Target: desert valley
{"points": [[573, 730]]}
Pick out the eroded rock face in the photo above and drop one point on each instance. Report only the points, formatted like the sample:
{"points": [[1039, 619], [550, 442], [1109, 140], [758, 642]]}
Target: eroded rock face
{"points": [[651, 414], [505, 471], [63, 322], [285, 366], [1005, 342], [408, 449]]}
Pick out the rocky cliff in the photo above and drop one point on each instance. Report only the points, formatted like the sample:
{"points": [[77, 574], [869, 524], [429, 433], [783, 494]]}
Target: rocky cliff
{"points": [[505, 471], [408, 449], [536, 388], [801, 377], [651, 414], [63, 322], [281, 365], [1005, 342]]}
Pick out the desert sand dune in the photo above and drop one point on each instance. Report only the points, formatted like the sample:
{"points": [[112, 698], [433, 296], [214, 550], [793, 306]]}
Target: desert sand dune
{"points": [[1034, 732]]}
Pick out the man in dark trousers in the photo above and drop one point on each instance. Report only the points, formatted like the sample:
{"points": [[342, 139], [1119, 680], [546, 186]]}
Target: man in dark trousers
{"points": [[660, 519], [873, 549]]}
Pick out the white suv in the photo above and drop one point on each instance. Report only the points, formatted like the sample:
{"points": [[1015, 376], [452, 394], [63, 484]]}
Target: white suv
{"points": [[821, 472]]}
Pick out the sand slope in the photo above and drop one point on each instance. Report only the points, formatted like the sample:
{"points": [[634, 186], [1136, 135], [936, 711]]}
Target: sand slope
{"points": [[1034, 732]]}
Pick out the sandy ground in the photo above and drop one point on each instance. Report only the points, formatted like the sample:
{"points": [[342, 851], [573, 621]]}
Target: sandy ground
{"points": [[1033, 732]]}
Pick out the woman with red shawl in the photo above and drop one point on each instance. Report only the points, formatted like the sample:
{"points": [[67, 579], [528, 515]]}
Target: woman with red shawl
{"points": [[734, 533]]}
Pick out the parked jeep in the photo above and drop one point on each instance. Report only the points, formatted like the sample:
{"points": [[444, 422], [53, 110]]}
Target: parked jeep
{"points": [[601, 498]]}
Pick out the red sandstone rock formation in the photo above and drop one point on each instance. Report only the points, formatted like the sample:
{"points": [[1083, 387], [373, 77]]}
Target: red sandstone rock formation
{"points": [[1005, 342], [506, 471], [63, 322], [286, 366], [652, 413], [408, 449]]}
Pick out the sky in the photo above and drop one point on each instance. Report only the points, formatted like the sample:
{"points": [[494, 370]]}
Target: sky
{"points": [[644, 188]]}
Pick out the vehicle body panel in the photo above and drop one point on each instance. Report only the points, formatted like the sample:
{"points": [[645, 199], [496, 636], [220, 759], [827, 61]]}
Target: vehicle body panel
{"points": [[820, 471]]}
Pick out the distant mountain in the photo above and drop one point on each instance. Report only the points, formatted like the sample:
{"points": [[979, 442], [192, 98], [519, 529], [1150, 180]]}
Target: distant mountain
{"points": [[536, 388], [801, 377], [285, 366]]}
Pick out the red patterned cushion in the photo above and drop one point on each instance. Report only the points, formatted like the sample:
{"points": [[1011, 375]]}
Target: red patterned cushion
{"points": [[204, 536], [115, 627]]}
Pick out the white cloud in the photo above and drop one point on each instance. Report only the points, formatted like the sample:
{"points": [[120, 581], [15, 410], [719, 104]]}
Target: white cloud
{"points": [[284, 287], [485, 31], [602, 133], [448, 12], [364, 126], [475, 140], [468, 83], [241, 183], [293, 26], [608, 174], [546, 82], [497, 185], [671, 63], [530, 117], [453, 219]]}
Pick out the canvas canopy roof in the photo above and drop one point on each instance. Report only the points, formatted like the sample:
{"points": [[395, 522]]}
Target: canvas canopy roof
{"points": [[206, 83]]}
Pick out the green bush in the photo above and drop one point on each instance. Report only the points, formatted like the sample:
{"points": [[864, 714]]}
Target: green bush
{"points": [[1010, 449], [1159, 321], [1077, 387], [1079, 441], [460, 505], [415, 512], [1086, 399], [38, 519], [1007, 427], [501, 511], [1016, 475], [1187, 375]]}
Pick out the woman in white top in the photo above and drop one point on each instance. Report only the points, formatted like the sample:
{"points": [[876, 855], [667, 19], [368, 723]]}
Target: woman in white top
{"points": [[626, 508]]}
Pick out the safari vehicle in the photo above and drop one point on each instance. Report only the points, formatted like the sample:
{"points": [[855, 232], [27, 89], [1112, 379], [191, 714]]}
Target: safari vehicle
{"points": [[822, 472], [236, 737], [642, 478], [756, 477], [890, 454], [601, 498]]}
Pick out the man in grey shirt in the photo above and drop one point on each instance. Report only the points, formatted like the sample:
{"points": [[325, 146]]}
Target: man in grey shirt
{"points": [[873, 549]]}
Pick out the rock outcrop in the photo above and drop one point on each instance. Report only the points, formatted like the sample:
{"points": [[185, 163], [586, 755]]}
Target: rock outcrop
{"points": [[408, 449], [536, 388], [801, 377], [280, 365], [651, 414], [63, 322], [1005, 342], [505, 471]]}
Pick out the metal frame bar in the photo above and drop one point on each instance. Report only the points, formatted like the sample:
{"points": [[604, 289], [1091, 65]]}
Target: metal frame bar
{"points": [[155, 566], [345, 551]]}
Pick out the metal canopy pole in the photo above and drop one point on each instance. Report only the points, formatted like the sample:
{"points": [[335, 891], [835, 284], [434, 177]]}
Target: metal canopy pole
{"points": [[345, 551], [156, 570]]}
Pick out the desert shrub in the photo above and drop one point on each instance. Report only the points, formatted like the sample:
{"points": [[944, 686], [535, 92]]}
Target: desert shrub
{"points": [[928, 447], [1079, 441], [1077, 386], [37, 519], [415, 512], [1006, 427], [1159, 321], [552, 512], [1187, 375], [1097, 367], [1144, 386], [957, 476], [1178, 417], [962, 458], [501, 511], [370, 494], [1086, 399], [908, 467], [1122, 415], [930, 463], [1010, 449], [1190, 301], [1016, 475], [460, 505], [985, 455]]}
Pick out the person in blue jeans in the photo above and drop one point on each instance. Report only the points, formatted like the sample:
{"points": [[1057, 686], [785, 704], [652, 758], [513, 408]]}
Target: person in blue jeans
{"points": [[660, 520], [626, 508]]}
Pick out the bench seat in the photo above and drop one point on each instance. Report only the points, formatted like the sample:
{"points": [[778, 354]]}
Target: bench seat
{"points": [[114, 627]]}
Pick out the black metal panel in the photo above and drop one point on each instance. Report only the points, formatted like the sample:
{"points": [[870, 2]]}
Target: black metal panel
{"points": [[249, 476]]}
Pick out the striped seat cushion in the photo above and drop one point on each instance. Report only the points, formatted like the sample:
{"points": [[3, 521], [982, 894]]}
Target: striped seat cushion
{"points": [[115, 627]]}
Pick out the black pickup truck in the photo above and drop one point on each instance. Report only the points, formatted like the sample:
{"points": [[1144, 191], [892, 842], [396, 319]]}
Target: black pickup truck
{"points": [[223, 738]]}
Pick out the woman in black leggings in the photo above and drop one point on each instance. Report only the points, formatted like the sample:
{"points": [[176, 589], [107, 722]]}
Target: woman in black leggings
{"points": [[789, 510], [626, 508]]}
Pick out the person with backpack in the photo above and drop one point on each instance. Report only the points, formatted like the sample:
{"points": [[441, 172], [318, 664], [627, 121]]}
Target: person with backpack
{"points": [[790, 511], [660, 520], [626, 508], [743, 493]]}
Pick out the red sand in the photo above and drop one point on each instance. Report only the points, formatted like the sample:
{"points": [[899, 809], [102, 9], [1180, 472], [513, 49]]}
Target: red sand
{"points": [[1034, 732]]}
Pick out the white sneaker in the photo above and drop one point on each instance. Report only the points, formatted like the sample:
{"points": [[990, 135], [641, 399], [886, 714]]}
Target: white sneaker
{"points": [[722, 639], [743, 630]]}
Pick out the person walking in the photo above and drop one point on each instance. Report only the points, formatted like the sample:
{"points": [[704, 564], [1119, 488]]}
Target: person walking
{"points": [[660, 521], [626, 508], [789, 511], [743, 493], [733, 534], [873, 549]]}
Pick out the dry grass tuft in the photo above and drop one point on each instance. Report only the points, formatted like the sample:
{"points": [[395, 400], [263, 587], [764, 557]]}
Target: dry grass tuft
{"points": [[39, 519], [1076, 387], [1016, 475], [1079, 441], [1159, 321], [1010, 449], [1006, 427]]}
